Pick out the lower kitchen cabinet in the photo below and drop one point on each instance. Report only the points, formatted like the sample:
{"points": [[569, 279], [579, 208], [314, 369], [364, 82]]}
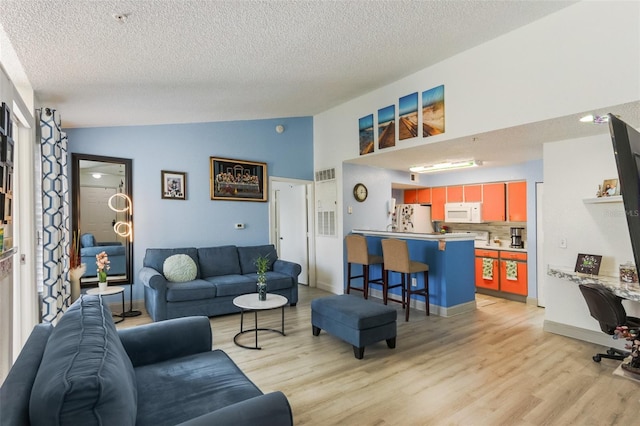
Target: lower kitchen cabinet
{"points": [[504, 272]]}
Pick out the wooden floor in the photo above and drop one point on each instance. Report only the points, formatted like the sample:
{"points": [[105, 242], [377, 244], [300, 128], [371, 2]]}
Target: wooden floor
{"points": [[494, 366]]}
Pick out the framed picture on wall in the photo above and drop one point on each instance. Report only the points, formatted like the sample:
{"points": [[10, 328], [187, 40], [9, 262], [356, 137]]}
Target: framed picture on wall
{"points": [[6, 148], [174, 185], [238, 180]]}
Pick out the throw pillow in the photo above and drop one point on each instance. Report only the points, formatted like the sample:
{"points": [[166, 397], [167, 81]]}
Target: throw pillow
{"points": [[179, 268]]}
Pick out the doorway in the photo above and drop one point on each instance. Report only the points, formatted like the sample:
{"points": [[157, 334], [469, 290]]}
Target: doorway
{"points": [[291, 223]]}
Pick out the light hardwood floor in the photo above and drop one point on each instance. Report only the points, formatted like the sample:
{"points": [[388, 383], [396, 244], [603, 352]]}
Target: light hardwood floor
{"points": [[494, 366]]}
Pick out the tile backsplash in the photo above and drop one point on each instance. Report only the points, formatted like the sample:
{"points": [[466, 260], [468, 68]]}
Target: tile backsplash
{"points": [[501, 230]]}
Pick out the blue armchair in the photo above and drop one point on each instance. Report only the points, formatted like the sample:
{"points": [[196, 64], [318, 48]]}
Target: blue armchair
{"points": [[89, 248]]}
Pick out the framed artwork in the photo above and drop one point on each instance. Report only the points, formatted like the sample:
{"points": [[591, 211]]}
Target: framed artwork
{"points": [[610, 187], [3, 121], [237, 180], [174, 185], [408, 116], [365, 130], [588, 264], [8, 208], [6, 149], [387, 127], [8, 179], [433, 111], [3, 171]]}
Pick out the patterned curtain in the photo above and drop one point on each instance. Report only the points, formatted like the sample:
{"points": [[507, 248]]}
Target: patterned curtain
{"points": [[55, 217]]}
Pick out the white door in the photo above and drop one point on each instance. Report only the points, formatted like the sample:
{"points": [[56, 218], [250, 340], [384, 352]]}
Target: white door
{"points": [[541, 273], [290, 225], [97, 218]]}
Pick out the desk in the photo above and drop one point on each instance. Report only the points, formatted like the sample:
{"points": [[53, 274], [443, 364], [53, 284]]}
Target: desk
{"points": [[627, 291], [110, 291]]}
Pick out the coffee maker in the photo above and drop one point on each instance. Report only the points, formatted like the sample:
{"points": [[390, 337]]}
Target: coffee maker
{"points": [[516, 238]]}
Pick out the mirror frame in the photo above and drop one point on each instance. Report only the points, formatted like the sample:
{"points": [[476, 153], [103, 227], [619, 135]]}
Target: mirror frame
{"points": [[75, 207]]}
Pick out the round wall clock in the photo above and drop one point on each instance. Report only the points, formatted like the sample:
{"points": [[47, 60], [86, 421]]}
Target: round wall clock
{"points": [[360, 192]]}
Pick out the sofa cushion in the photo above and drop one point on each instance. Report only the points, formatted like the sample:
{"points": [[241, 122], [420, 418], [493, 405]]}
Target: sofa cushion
{"points": [[249, 254], [179, 268], [233, 285], [87, 240], [216, 261], [177, 390], [190, 290], [85, 376], [155, 257]]}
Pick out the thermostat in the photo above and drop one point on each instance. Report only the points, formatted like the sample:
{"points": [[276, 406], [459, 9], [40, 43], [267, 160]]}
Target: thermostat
{"points": [[239, 225]]}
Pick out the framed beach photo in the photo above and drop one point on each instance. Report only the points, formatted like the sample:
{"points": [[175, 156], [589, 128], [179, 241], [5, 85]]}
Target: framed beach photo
{"points": [[238, 180], [174, 185]]}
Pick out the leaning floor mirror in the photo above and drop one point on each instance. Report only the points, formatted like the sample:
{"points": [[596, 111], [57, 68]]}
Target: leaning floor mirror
{"points": [[102, 215]]}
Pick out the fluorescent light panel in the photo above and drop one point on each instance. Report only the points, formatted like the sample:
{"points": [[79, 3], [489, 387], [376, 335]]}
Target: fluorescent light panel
{"points": [[445, 166]]}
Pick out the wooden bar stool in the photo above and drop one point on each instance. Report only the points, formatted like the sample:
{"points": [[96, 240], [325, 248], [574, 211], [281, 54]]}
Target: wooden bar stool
{"points": [[357, 252], [396, 259]]}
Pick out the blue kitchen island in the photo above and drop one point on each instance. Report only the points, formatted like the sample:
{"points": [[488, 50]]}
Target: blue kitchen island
{"points": [[450, 258]]}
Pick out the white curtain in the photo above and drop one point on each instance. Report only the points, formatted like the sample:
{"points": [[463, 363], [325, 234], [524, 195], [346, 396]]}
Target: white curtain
{"points": [[55, 217]]}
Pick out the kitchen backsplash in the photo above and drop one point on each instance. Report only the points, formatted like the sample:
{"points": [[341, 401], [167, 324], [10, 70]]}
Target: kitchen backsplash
{"points": [[500, 230]]}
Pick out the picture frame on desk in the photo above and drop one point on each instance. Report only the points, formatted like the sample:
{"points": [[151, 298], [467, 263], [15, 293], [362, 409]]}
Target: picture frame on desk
{"points": [[588, 264]]}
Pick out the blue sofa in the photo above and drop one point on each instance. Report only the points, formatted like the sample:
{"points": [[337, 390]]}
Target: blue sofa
{"points": [[85, 372], [89, 248], [223, 273]]}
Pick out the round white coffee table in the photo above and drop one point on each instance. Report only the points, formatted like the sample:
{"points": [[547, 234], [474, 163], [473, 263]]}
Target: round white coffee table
{"points": [[250, 302], [110, 291]]}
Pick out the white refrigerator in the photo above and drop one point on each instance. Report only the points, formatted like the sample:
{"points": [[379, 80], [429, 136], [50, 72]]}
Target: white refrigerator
{"points": [[413, 218]]}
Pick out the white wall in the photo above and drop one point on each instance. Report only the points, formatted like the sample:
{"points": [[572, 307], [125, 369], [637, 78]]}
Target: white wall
{"points": [[573, 169], [554, 67]]}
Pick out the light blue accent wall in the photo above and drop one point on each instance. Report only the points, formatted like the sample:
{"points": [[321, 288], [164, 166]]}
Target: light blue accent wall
{"points": [[198, 221]]}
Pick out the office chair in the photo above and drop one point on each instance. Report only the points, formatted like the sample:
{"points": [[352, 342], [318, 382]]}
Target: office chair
{"points": [[607, 309]]}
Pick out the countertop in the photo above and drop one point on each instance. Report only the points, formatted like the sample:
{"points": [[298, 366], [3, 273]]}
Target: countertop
{"points": [[482, 245], [625, 290], [450, 236]]}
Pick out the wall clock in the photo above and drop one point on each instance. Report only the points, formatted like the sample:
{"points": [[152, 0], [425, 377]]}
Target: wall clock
{"points": [[360, 192]]}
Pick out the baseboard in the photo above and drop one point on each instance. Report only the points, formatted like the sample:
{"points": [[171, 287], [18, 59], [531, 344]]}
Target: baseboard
{"points": [[440, 311], [533, 301], [591, 336]]}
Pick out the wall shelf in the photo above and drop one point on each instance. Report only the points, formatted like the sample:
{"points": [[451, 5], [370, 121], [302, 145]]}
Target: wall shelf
{"points": [[600, 200]]}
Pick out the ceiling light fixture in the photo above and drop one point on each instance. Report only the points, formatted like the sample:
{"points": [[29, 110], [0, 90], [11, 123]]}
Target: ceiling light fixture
{"points": [[97, 175], [445, 166]]}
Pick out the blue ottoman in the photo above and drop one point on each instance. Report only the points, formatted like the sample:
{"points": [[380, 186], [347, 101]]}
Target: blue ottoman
{"points": [[355, 320]]}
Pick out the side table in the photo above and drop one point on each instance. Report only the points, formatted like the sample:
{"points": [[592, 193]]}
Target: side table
{"points": [[110, 291], [250, 302]]}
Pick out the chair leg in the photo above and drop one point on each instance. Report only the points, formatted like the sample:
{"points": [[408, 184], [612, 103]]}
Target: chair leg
{"points": [[365, 283], [404, 281], [385, 284], [426, 291], [348, 277], [408, 290]]}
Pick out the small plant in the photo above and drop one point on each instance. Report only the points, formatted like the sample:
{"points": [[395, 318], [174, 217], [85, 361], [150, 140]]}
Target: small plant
{"points": [[102, 261], [74, 252], [262, 264]]}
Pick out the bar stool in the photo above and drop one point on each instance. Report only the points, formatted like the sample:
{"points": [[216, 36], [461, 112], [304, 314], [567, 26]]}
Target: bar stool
{"points": [[357, 252], [396, 259]]}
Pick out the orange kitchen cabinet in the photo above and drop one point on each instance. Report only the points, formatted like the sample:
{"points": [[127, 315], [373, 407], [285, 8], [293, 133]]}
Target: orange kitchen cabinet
{"points": [[492, 283], [438, 197], [410, 196], [493, 204], [517, 201], [472, 193], [454, 194], [424, 195], [517, 285]]}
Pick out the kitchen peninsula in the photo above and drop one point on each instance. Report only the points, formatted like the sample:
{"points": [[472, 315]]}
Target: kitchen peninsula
{"points": [[451, 266]]}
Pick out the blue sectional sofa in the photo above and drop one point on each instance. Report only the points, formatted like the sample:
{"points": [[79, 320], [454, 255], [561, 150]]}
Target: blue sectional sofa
{"points": [[89, 248], [85, 372], [222, 273]]}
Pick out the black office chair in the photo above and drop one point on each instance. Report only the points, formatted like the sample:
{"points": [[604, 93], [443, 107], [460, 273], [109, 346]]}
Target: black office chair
{"points": [[607, 309]]}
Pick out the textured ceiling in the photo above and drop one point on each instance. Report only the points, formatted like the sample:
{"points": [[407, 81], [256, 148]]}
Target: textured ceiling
{"points": [[178, 61], [195, 61]]}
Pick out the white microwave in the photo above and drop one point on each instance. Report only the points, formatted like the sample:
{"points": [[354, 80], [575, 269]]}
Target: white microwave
{"points": [[463, 212]]}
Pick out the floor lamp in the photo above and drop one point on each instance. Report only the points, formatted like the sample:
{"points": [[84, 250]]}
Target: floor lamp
{"points": [[125, 230]]}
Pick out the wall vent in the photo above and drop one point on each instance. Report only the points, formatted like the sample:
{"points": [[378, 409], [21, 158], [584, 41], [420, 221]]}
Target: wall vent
{"points": [[326, 174]]}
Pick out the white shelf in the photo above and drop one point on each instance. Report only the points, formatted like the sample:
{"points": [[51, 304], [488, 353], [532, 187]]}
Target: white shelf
{"points": [[612, 199]]}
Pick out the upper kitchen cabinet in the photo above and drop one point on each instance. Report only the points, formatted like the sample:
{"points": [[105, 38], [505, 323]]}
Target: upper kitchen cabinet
{"points": [[454, 194], [493, 206], [410, 196], [517, 201], [472, 193], [438, 198], [424, 195]]}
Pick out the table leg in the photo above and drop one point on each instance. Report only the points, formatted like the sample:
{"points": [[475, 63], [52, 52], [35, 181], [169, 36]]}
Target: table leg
{"points": [[255, 313], [121, 315]]}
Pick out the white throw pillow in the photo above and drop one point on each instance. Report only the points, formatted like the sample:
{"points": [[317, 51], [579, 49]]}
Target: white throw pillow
{"points": [[179, 268]]}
